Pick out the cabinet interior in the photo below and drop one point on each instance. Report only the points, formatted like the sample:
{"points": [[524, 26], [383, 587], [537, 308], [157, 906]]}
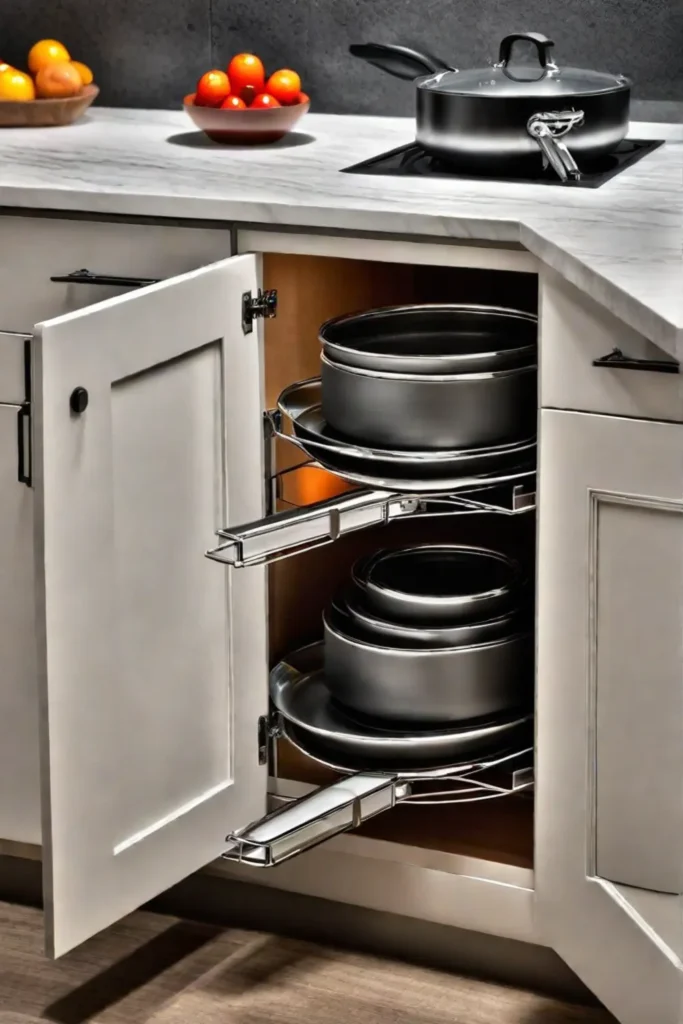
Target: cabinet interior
{"points": [[310, 290]]}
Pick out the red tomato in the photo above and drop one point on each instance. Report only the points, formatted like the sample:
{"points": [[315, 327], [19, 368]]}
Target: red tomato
{"points": [[246, 69], [212, 88], [233, 103], [303, 98], [285, 86], [264, 101]]}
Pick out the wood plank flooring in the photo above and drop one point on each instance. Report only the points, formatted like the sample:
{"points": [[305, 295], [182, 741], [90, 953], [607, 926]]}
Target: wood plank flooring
{"points": [[152, 968]]}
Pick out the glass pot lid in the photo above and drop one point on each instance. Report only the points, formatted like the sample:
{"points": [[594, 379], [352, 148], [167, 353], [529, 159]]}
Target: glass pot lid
{"points": [[507, 78]]}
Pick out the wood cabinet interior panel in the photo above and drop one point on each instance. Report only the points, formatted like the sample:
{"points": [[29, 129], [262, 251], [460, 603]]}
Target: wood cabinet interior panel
{"points": [[497, 830]]}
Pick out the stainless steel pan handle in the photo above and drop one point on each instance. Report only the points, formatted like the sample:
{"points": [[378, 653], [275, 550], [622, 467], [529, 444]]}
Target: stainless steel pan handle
{"points": [[327, 812], [547, 128]]}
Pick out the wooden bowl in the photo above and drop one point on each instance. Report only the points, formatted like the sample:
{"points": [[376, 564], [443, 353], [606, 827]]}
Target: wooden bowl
{"points": [[46, 113], [245, 127]]}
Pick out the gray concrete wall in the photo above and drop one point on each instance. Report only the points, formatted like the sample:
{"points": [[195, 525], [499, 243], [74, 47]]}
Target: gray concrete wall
{"points": [[148, 53]]}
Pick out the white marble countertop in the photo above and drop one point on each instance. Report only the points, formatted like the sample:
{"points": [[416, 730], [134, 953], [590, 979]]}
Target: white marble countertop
{"points": [[622, 243]]}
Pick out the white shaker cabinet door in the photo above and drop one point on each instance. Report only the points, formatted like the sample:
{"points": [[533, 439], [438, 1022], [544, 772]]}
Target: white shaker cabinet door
{"points": [[609, 811], [152, 672]]}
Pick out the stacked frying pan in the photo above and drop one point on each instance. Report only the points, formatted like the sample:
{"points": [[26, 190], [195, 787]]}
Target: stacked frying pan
{"points": [[427, 660], [431, 635], [422, 397]]}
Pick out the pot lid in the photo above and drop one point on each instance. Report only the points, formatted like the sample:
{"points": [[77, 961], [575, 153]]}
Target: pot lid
{"points": [[507, 78]]}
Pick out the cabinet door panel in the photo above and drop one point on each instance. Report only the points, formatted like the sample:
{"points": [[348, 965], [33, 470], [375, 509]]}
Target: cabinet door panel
{"points": [[610, 706], [637, 647], [19, 788], [153, 670]]}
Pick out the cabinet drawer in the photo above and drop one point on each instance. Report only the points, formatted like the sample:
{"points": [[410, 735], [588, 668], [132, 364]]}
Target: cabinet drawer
{"points": [[12, 368], [575, 331], [39, 248]]}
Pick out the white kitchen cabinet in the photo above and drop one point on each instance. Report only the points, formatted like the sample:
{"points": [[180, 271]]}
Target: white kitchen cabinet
{"points": [[97, 864], [33, 250], [153, 661], [609, 816], [19, 770]]}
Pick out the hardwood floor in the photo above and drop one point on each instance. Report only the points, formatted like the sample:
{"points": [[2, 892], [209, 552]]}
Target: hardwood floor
{"points": [[150, 968]]}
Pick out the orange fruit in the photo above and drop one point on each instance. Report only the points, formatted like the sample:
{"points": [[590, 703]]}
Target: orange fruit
{"points": [[57, 81], [244, 71], [285, 86], [47, 51], [84, 71], [15, 85], [212, 89]]}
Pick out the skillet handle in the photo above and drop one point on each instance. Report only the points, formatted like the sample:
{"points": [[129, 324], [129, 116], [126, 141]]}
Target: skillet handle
{"points": [[542, 43], [400, 61]]}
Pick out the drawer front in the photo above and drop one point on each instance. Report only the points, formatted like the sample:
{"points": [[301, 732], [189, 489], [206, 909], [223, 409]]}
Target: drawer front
{"points": [[575, 331], [39, 248], [12, 368]]}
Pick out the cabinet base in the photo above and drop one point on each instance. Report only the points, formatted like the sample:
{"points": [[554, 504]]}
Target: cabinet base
{"points": [[245, 905]]}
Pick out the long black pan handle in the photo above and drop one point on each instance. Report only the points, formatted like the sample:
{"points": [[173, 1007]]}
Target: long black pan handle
{"points": [[400, 61]]}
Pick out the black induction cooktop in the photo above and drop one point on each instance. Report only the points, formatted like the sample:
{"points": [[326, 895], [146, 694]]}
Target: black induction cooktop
{"points": [[412, 161]]}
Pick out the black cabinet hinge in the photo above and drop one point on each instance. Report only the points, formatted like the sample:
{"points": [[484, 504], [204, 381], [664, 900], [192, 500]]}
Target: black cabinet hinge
{"points": [[264, 306], [269, 728], [263, 738]]}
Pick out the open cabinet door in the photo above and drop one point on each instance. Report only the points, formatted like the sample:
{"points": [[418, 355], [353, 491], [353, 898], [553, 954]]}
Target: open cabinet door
{"points": [[609, 778], [153, 659]]}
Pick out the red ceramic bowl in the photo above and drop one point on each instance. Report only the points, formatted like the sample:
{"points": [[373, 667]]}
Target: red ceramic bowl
{"points": [[245, 127]]}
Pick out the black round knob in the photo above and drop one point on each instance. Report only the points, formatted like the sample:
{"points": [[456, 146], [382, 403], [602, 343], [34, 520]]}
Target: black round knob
{"points": [[79, 400]]}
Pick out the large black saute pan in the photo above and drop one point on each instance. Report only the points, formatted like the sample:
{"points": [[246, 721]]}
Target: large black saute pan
{"points": [[505, 117]]}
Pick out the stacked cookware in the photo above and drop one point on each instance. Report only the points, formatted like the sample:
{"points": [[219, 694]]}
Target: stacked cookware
{"points": [[430, 636], [433, 641], [434, 638], [430, 399], [424, 682], [431, 376]]}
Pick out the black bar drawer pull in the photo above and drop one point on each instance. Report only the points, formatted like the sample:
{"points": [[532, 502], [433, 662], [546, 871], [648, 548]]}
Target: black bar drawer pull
{"points": [[88, 277], [616, 360], [24, 473]]}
